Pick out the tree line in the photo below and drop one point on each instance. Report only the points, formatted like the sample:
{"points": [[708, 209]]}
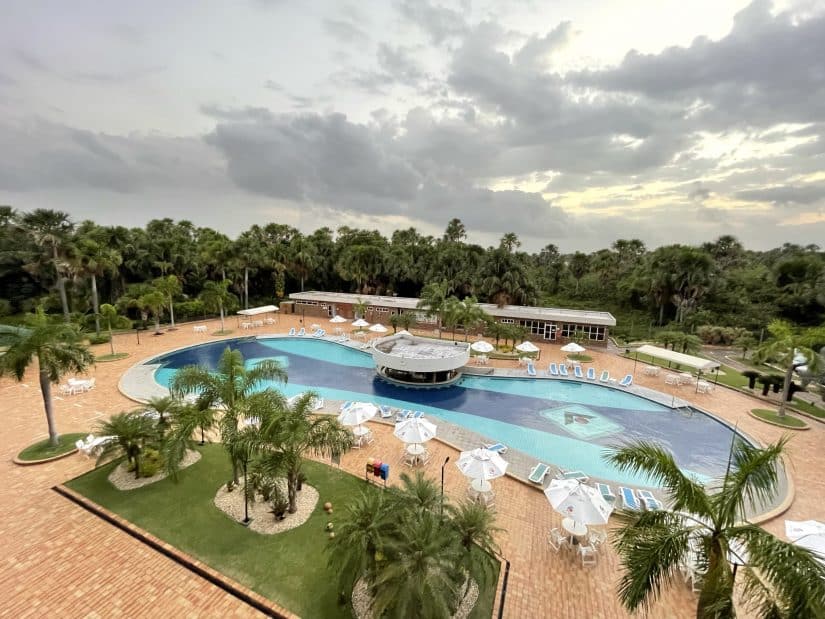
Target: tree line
{"points": [[74, 267]]}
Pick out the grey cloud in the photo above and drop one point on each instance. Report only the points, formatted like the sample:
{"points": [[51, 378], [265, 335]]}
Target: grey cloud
{"points": [[31, 61], [273, 85], [698, 193], [230, 113], [439, 22], [537, 50], [785, 194], [345, 32]]}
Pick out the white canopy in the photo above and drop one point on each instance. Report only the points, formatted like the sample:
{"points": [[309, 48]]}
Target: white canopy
{"points": [[572, 347], [582, 503], [403, 332], [527, 347], [378, 328], [415, 430], [357, 413], [254, 311], [697, 363], [482, 346], [481, 464], [360, 323], [338, 319]]}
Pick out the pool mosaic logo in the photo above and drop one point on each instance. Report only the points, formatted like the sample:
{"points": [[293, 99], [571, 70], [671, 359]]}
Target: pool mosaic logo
{"points": [[581, 421]]}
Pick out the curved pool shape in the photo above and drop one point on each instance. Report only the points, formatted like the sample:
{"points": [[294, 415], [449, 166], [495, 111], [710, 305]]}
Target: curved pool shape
{"points": [[567, 423]]}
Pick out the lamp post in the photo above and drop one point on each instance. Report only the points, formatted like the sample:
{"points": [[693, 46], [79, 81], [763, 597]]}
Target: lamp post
{"points": [[137, 332], [246, 519], [446, 460]]}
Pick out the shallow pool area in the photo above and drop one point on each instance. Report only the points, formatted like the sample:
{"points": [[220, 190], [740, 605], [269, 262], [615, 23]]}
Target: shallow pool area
{"points": [[568, 423]]}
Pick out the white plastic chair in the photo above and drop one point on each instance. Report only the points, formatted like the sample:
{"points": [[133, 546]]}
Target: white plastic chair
{"points": [[589, 555], [557, 540]]}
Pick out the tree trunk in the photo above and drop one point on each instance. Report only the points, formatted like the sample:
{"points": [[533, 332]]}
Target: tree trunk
{"points": [[95, 305], [46, 390], [661, 314], [786, 388], [222, 325], [61, 287], [157, 323], [111, 337], [172, 313], [291, 485], [246, 287], [302, 283]]}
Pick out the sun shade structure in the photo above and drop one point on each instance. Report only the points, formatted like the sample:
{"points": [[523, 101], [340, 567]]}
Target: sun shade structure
{"points": [[338, 319], [378, 328], [360, 323], [697, 363], [254, 311], [481, 464], [527, 347], [415, 430], [572, 347], [582, 503], [482, 346]]}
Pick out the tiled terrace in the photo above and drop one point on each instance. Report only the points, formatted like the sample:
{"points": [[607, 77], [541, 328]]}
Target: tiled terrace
{"points": [[59, 559]]}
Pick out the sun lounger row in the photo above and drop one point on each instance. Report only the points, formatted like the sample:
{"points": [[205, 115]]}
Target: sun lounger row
{"points": [[639, 499], [406, 413], [75, 386], [302, 332], [560, 370]]}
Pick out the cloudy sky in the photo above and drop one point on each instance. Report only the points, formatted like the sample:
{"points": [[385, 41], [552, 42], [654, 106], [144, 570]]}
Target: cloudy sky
{"points": [[573, 122]]}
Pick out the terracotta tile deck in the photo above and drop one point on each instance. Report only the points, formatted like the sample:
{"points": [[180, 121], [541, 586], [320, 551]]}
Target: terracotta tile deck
{"points": [[58, 559]]}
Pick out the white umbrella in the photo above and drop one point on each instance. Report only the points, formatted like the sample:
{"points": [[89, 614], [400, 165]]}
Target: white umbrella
{"points": [[403, 332], [378, 328], [482, 346], [360, 323], [415, 430], [572, 347], [581, 503], [338, 319], [357, 413], [481, 464], [809, 534], [527, 347]]}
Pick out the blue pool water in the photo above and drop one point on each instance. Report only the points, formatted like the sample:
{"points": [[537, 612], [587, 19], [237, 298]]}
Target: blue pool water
{"points": [[567, 423]]}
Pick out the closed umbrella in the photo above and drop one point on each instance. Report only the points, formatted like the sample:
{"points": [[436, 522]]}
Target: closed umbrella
{"points": [[378, 328], [415, 430], [581, 503], [572, 347], [338, 319], [360, 323], [481, 465], [482, 346]]}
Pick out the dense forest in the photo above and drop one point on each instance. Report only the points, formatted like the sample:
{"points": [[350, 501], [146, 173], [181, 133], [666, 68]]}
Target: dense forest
{"points": [[70, 267]]}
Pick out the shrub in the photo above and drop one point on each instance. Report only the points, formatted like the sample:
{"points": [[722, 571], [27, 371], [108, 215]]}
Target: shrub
{"points": [[5, 307], [751, 375], [712, 334], [151, 462], [103, 338]]}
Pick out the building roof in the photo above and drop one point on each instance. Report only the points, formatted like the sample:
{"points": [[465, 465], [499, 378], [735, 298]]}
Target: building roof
{"points": [[697, 363], [522, 312], [254, 311]]}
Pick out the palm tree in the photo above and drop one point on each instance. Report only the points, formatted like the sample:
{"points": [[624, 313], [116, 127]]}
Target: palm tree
{"points": [[791, 348], [451, 314], [474, 524], [229, 386], [169, 286], [578, 266], [406, 320], [97, 260], [780, 579], [185, 420], [153, 302], [288, 433], [216, 296], [472, 315], [165, 406], [58, 349], [110, 315], [497, 330], [131, 431], [303, 257], [433, 299], [419, 493]]}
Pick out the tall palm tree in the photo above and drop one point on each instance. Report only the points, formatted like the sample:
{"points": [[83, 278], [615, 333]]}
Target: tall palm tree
{"points": [[96, 260], [58, 349], [132, 431], [228, 386], [152, 302], [302, 256], [288, 433], [578, 266], [417, 492], [169, 286], [110, 315], [472, 315], [451, 314], [780, 579], [216, 296], [432, 301], [186, 419], [474, 524]]}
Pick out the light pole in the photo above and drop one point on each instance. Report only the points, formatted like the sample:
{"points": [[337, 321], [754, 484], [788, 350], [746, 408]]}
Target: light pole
{"points": [[246, 519], [446, 460]]}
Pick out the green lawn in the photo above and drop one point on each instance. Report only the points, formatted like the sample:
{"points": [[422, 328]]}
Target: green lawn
{"points": [[42, 450], [773, 417], [727, 375], [806, 407], [289, 568], [111, 357]]}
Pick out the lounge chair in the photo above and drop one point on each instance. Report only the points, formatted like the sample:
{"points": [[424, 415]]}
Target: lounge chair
{"points": [[417, 414], [538, 473], [385, 411], [319, 333], [649, 501], [531, 369], [629, 499], [591, 373], [627, 381], [605, 377], [291, 332], [402, 415], [553, 370], [607, 492], [302, 332], [346, 405], [577, 475], [563, 371], [577, 370], [499, 448]]}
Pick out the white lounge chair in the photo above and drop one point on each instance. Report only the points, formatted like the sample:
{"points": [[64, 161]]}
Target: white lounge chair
{"points": [[577, 475], [531, 369], [499, 448], [591, 373], [403, 414], [605, 377], [589, 555], [385, 411], [563, 371], [301, 332], [627, 381], [291, 332], [577, 370], [649, 501], [538, 473], [553, 370], [606, 492]]}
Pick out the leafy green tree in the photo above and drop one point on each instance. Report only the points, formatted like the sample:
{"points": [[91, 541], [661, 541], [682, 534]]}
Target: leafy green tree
{"points": [[471, 315], [406, 320], [474, 524], [58, 350], [216, 296], [496, 330], [303, 257], [746, 342], [110, 315], [152, 302], [455, 232], [579, 265], [132, 433], [186, 419], [96, 260], [780, 578], [393, 320], [433, 301], [169, 286]]}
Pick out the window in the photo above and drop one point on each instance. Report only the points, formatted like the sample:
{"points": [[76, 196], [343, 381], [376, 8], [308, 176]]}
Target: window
{"points": [[536, 327], [588, 332], [550, 332], [507, 321]]}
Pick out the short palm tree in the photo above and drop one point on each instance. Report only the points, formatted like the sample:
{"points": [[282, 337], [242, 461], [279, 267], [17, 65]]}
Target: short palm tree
{"points": [[229, 386], [165, 407], [474, 524], [433, 299], [110, 315], [132, 432], [418, 492], [58, 349], [216, 296], [780, 579]]}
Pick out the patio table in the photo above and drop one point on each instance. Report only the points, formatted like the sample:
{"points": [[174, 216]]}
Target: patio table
{"points": [[576, 529]]}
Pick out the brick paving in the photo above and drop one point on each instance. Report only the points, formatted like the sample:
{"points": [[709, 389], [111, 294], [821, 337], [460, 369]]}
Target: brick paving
{"points": [[59, 559]]}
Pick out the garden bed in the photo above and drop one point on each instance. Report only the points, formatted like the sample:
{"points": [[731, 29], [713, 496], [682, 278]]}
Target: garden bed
{"points": [[41, 451], [773, 418]]}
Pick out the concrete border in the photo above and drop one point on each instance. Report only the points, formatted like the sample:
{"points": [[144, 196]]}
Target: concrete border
{"points": [[779, 425], [17, 460]]}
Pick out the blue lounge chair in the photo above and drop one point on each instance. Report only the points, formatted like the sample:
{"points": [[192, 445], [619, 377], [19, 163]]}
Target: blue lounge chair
{"points": [[627, 381], [319, 333], [607, 492], [346, 405], [291, 331], [403, 414], [591, 373], [499, 448], [302, 332], [577, 370], [649, 501], [577, 475], [531, 369], [417, 414], [538, 473], [563, 371], [553, 370], [629, 499], [605, 377], [385, 411]]}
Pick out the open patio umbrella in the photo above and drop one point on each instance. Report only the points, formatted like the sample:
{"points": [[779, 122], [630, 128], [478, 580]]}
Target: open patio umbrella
{"points": [[403, 332], [338, 319], [415, 430], [360, 323], [809, 534], [378, 328], [527, 347], [581, 503], [481, 465], [482, 346], [357, 414], [572, 347]]}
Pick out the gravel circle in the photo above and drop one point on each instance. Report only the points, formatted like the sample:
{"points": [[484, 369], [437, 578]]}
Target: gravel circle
{"points": [[263, 521], [362, 601], [125, 480]]}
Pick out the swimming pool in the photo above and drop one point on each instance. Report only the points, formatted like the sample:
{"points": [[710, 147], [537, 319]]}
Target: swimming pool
{"points": [[567, 423]]}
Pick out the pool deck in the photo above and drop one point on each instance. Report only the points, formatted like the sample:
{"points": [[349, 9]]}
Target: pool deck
{"points": [[60, 560]]}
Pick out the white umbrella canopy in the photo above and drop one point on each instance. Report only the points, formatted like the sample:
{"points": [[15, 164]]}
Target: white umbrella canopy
{"points": [[573, 499], [357, 413], [360, 323], [809, 534], [378, 328], [403, 332], [527, 347], [482, 346], [338, 319], [415, 430], [572, 347], [481, 464]]}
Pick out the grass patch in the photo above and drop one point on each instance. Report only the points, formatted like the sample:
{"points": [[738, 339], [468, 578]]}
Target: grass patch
{"points": [[773, 417], [807, 407], [42, 450], [726, 376], [580, 357], [115, 357], [224, 332], [289, 568]]}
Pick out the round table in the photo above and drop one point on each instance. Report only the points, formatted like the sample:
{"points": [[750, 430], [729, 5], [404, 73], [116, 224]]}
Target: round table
{"points": [[360, 430], [574, 528], [479, 485], [416, 449]]}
